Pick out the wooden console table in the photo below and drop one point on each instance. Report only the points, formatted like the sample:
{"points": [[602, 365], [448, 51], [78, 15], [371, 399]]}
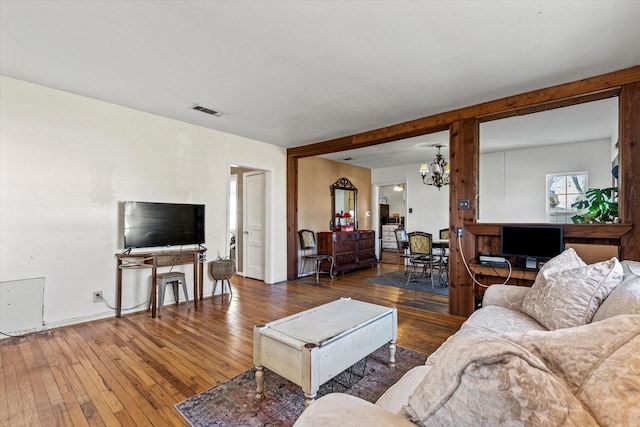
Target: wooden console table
{"points": [[153, 260], [487, 274]]}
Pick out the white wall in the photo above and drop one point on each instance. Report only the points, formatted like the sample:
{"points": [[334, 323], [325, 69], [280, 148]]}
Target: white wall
{"points": [[67, 162], [430, 206], [513, 183]]}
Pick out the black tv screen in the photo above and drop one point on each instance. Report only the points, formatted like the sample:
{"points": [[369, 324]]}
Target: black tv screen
{"points": [[148, 224], [532, 241]]}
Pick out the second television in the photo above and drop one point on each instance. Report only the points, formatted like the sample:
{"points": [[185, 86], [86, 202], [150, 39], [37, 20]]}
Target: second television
{"points": [[535, 241]]}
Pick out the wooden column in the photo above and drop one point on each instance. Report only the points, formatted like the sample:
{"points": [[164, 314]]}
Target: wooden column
{"points": [[464, 162], [292, 217], [629, 171]]}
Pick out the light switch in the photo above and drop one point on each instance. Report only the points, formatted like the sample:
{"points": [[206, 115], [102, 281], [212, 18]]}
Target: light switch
{"points": [[464, 204]]}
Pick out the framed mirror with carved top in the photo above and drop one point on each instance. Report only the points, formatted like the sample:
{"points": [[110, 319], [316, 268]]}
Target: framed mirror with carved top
{"points": [[344, 202]]}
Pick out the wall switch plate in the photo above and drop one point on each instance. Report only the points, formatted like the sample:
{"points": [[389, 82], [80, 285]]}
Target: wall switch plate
{"points": [[464, 204]]}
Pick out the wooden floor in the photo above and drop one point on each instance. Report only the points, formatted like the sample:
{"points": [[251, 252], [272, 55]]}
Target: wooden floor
{"points": [[131, 371]]}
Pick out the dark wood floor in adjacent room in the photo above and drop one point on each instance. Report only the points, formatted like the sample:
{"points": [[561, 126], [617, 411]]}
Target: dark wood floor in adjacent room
{"points": [[131, 371]]}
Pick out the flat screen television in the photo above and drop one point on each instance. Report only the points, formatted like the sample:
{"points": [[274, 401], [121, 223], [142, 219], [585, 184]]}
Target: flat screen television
{"points": [[148, 224], [532, 241]]}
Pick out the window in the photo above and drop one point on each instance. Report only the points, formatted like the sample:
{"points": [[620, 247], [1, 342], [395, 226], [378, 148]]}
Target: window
{"points": [[563, 190]]}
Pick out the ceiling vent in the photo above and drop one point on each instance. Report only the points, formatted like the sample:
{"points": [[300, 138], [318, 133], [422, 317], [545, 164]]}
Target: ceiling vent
{"points": [[207, 110]]}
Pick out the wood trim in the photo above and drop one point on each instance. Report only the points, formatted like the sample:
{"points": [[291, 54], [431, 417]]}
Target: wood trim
{"points": [[516, 273], [567, 102], [598, 87], [292, 218], [629, 170], [464, 159], [593, 231]]}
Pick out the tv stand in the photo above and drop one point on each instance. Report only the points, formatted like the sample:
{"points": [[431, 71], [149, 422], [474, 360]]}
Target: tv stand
{"points": [[489, 275], [153, 260]]}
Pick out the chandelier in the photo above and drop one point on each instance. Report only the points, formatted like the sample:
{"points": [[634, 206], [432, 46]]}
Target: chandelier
{"points": [[439, 175]]}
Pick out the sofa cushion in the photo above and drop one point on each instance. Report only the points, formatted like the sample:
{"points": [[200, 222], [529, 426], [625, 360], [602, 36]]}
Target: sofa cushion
{"points": [[344, 410], [570, 297], [598, 362], [625, 298], [490, 319], [487, 380], [396, 397], [498, 319], [507, 296]]}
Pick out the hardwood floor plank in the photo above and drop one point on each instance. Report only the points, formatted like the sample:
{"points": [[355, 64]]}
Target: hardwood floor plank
{"points": [[131, 371]]}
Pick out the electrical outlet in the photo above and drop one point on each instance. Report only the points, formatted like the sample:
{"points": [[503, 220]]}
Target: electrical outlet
{"points": [[97, 296], [460, 231]]}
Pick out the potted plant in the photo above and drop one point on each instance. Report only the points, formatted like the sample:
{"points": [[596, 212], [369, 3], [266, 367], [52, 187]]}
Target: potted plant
{"points": [[600, 206]]}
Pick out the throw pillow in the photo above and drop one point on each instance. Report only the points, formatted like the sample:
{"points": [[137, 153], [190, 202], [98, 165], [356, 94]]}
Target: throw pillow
{"points": [[567, 298], [487, 380], [599, 363], [625, 298], [567, 260]]}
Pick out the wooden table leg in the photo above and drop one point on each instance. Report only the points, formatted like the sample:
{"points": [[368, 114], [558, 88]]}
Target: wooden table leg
{"points": [[392, 354], [154, 290], [259, 383], [201, 274], [196, 279], [119, 289]]}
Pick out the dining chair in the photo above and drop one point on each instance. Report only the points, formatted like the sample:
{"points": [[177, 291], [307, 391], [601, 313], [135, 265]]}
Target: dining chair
{"points": [[421, 254], [444, 234], [444, 257], [402, 243], [310, 252]]}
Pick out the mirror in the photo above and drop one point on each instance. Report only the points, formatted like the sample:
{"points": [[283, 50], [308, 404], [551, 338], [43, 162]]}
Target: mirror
{"points": [[522, 158], [344, 202]]}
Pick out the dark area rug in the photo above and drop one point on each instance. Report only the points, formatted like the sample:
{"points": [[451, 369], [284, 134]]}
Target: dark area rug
{"points": [[398, 279], [232, 403]]}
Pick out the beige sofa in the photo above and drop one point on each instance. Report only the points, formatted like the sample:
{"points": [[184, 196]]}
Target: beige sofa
{"points": [[564, 352]]}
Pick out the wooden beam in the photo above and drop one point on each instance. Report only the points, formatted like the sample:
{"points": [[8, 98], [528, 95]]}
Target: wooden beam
{"points": [[464, 159], [629, 170], [545, 106], [594, 231], [584, 90], [292, 218]]}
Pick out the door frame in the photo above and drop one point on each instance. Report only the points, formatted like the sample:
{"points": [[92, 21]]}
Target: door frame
{"points": [[376, 211], [269, 269], [263, 241]]}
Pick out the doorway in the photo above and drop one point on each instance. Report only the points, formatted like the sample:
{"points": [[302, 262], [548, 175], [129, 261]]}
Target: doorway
{"points": [[247, 221], [392, 206]]}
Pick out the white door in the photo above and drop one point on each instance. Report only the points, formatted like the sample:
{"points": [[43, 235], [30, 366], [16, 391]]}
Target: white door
{"points": [[253, 213]]}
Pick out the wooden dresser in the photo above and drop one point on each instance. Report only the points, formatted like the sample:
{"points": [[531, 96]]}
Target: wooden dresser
{"points": [[350, 249]]}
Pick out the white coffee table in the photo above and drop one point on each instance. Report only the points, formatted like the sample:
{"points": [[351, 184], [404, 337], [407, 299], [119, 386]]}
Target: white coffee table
{"points": [[311, 347]]}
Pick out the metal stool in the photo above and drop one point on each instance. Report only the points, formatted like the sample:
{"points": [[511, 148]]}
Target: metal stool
{"points": [[164, 279]]}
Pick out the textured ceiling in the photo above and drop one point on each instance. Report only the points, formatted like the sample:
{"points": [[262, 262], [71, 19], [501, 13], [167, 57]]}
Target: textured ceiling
{"points": [[292, 73]]}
